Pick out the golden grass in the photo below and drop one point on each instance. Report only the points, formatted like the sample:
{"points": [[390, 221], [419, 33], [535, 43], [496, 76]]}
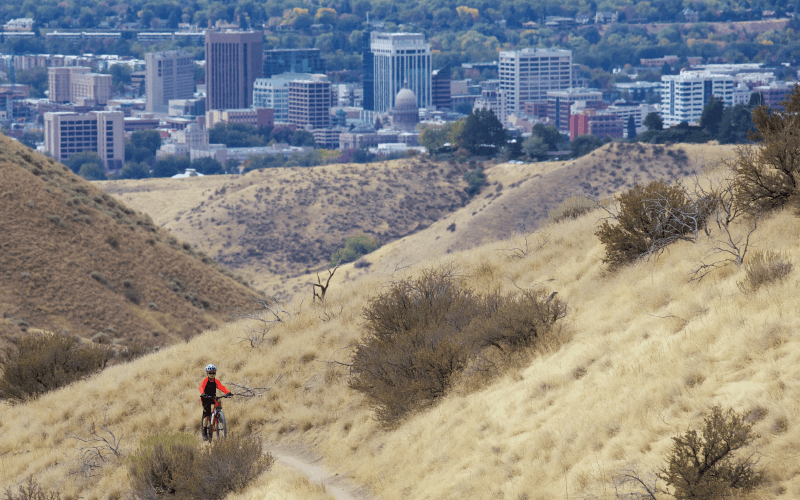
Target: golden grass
{"points": [[650, 351], [255, 224]]}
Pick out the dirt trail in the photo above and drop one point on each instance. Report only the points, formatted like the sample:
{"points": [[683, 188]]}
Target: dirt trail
{"points": [[302, 460]]}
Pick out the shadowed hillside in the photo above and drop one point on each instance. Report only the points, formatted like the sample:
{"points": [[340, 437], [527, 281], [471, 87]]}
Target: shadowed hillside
{"points": [[75, 258]]}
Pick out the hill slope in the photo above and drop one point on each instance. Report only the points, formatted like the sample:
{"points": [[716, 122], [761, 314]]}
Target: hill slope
{"points": [[274, 225], [283, 222], [646, 354], [75, 258]]}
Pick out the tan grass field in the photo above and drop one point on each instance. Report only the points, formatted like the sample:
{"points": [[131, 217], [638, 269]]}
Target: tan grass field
{"points": [[277, 227], [645, 353]]}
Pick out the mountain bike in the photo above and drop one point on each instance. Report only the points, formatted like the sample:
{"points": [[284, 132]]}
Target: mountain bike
{"points": [[217, 425]]}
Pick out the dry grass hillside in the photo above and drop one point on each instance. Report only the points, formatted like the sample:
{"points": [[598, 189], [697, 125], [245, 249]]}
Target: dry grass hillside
{"points": [[274, 225], [284, 222], [75, 258], [645, 353]]}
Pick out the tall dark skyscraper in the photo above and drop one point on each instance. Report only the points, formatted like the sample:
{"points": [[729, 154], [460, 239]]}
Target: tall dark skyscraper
{"points": [[281, 61], [234, 59], [368, 72]]}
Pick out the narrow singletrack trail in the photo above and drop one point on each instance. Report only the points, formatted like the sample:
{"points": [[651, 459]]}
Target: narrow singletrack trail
{"points": [[302, 460]]}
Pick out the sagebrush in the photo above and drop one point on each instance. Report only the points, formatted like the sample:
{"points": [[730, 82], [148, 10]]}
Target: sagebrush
{"points": [[178, 466], [423, 332], [41, 363], [650, 218], [763, 268], [713, 463]]}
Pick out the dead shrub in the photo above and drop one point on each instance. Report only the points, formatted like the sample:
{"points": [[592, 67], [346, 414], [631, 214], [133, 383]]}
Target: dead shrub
{"points": [[763, 268], [31, 490], [422, 333], [41, 363], [178, 466]]}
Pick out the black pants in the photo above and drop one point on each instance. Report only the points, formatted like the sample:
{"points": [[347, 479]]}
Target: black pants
{"points": [[208, 404]]}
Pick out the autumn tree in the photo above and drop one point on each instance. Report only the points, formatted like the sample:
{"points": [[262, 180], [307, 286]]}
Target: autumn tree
{"points": [[768, 172]]}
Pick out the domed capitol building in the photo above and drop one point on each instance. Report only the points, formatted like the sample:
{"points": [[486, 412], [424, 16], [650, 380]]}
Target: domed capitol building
{"points": [[405, 115]]}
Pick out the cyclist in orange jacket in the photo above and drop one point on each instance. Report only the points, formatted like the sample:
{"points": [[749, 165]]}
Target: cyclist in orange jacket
{"points": [[208, 391]]}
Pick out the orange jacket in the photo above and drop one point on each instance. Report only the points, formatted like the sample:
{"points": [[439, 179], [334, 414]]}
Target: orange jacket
{"points": [[210, 387]]}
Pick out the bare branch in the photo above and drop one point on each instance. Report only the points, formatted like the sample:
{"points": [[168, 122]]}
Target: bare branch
{"points": [[543, 237], [630, 477], [96, 447], [272, 312], [323, 288]]}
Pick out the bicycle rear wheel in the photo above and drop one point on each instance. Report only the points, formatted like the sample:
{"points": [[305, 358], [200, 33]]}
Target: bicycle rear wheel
{"points": [[221, 428]]}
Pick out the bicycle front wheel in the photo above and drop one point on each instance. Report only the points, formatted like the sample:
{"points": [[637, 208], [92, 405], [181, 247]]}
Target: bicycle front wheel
{"points": [[221, 428]]}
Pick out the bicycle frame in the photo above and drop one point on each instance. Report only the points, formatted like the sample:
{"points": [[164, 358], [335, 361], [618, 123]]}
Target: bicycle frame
{"points": [[217, 424]]}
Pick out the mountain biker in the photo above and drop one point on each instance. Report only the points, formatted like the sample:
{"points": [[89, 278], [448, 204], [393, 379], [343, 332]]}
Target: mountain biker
{"points": [[208, 392]]}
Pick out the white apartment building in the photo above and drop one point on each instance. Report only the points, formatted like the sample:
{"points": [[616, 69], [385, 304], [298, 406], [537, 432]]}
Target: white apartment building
{"points": [[100, 131], [527, 75], [400, 58], [273, 93], [684, 96], [169, 75]]}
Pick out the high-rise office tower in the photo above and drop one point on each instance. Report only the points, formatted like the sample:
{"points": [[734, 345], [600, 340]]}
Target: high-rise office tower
{"points": [[169, 75], [527, 75], [274, 93], [400, 58], [310, 102], [234, 59], [440, 88], [100, 131], [280, 61], [367, 72]]}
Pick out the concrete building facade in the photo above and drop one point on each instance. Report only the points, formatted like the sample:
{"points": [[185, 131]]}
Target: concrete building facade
{"points": [[400, 58], [257, 117], [100, 131], [234, 60], [169, 75], [79, 85], [527, 75], [310, 102]]}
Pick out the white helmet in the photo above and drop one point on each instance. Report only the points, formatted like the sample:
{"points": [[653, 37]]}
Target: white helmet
{"points": [[211, 368]]}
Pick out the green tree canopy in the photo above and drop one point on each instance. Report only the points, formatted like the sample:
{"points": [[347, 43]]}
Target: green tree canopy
{"points": [[355, 247], [207, 166], [78, 160], [653, 121], [482, 130], [149, 140], [535, 148], [170, 165], [550, 134], [584, 144], [93, 172], [134, 171], [711, 118]]}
